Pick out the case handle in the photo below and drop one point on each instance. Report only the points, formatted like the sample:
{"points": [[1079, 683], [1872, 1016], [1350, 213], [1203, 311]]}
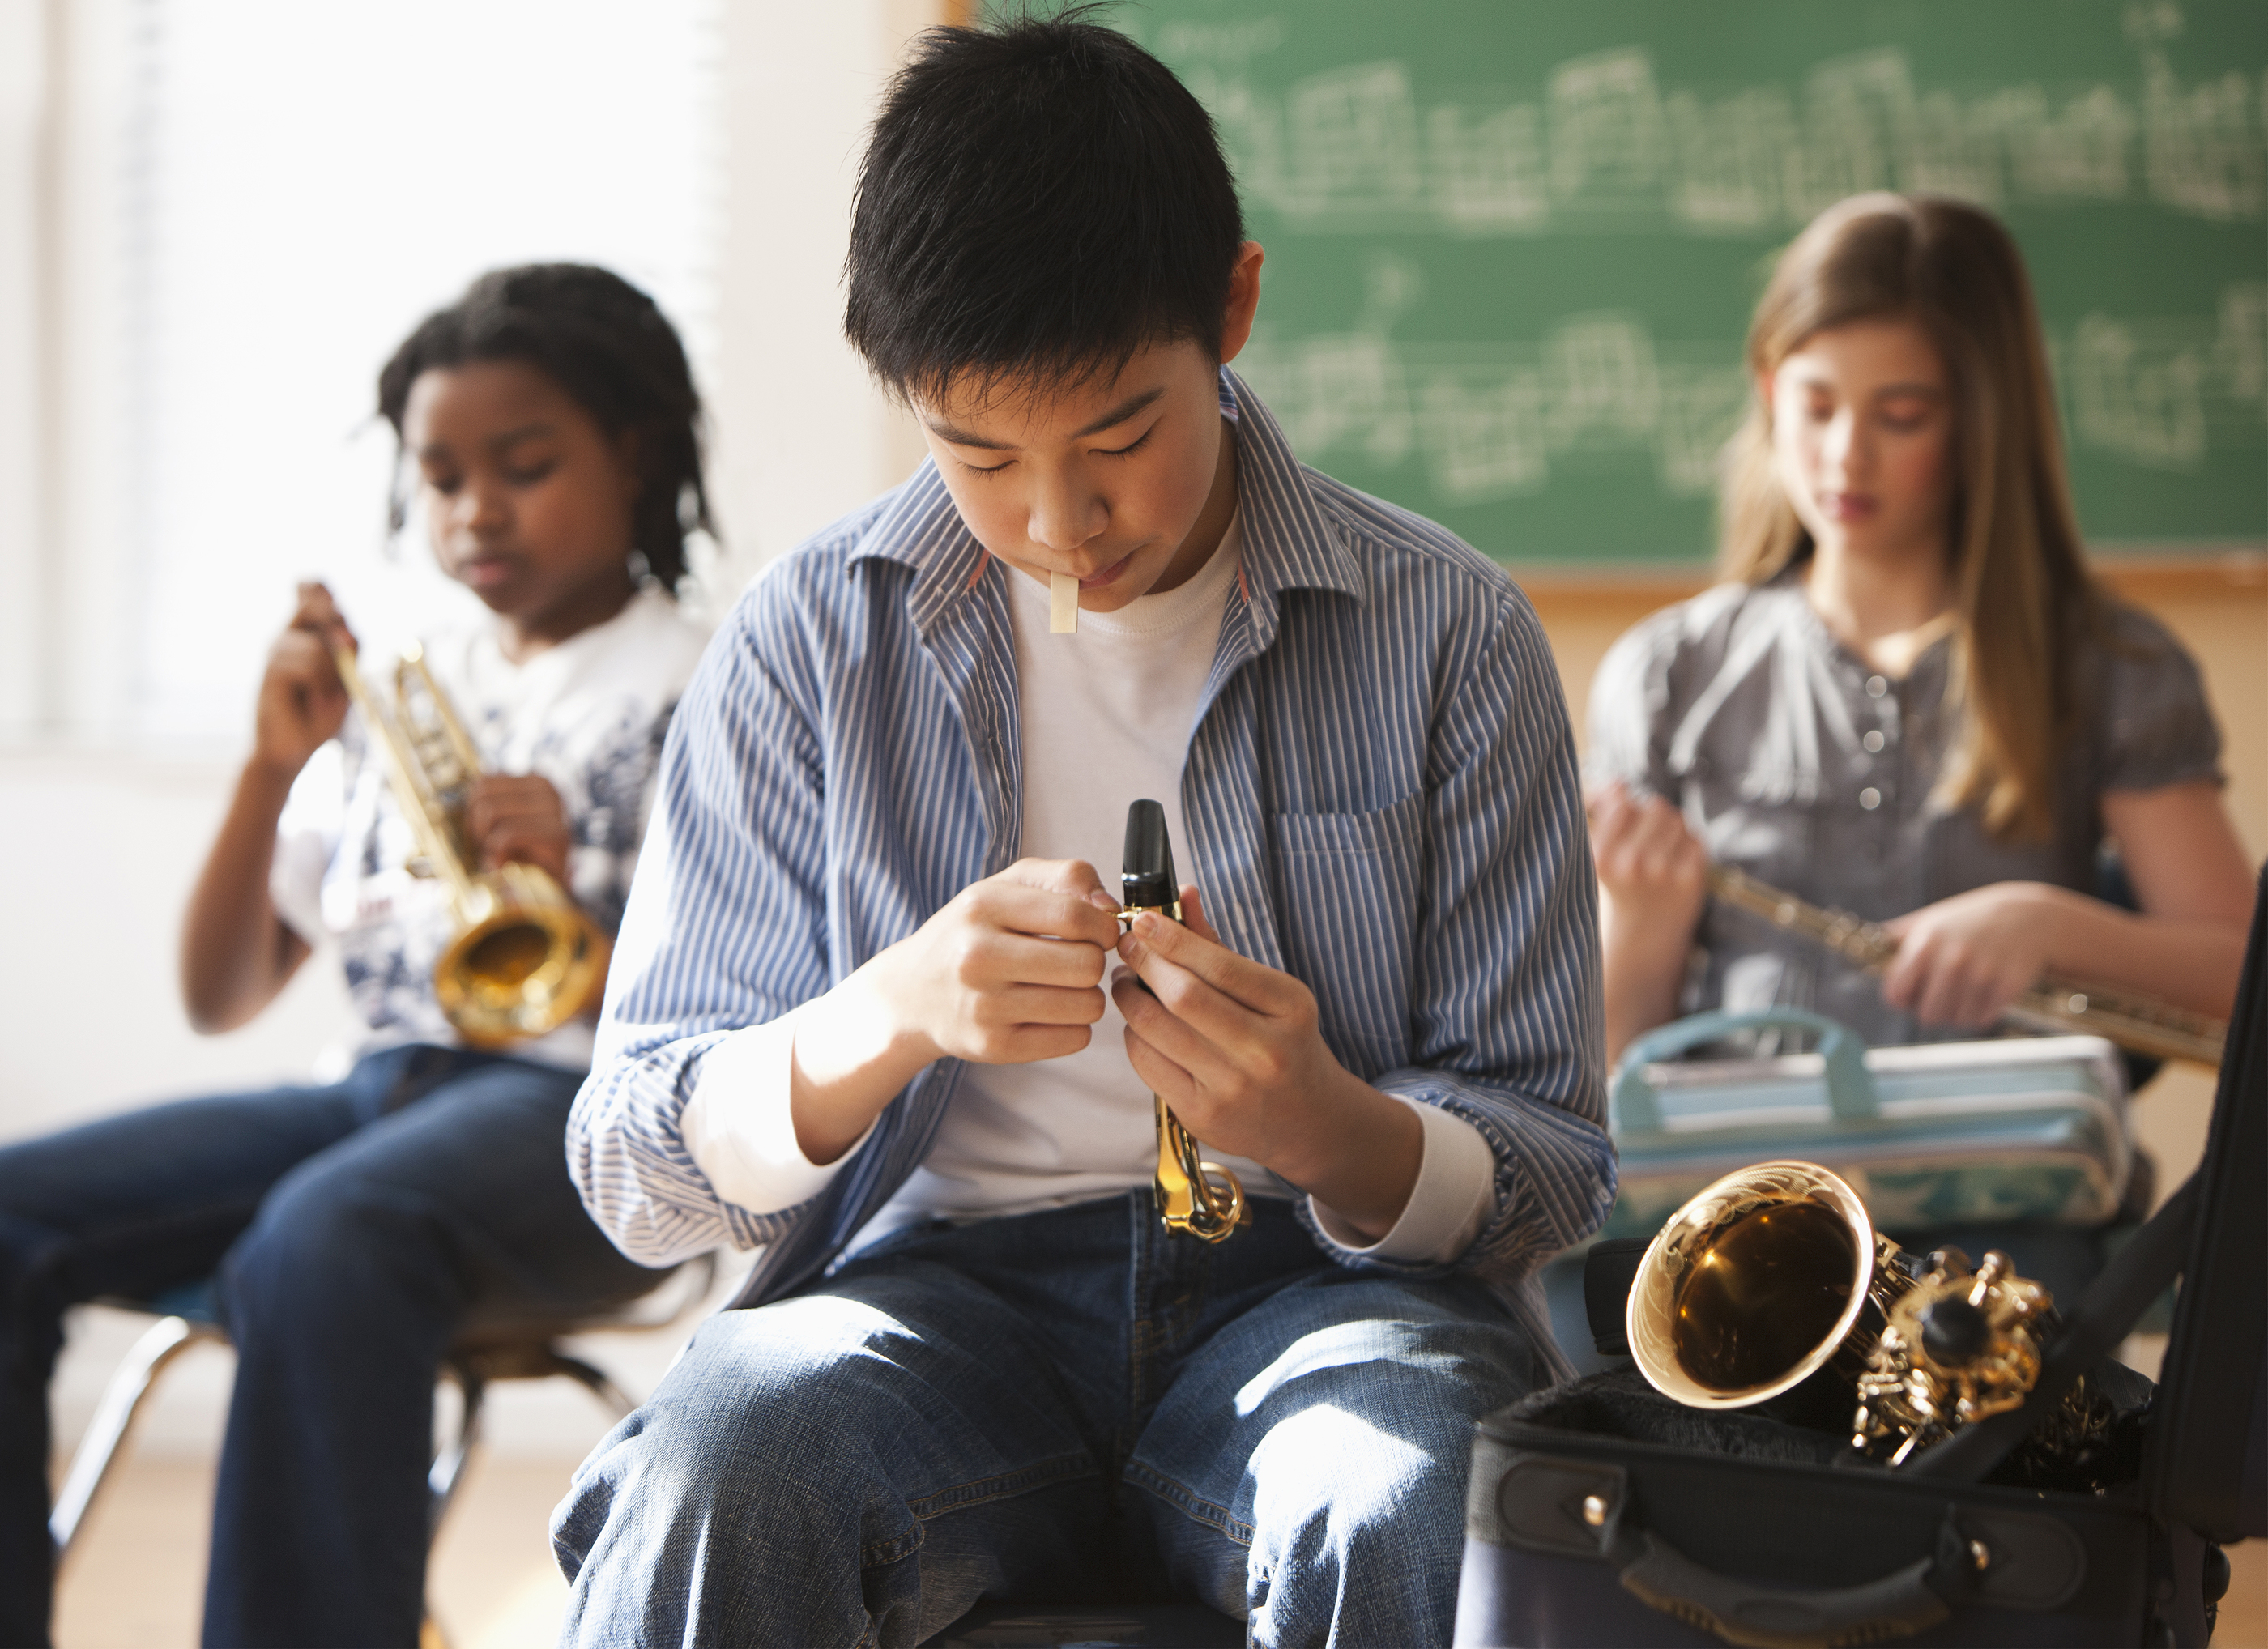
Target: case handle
{"points": [[1905, 1602], [1637, 1108]]}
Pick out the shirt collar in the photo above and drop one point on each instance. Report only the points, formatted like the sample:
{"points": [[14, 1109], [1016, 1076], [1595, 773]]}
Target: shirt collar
{"points": [[1290, 543]]}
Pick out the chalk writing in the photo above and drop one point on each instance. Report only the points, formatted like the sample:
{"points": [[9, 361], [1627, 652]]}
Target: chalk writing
{"points": [[1489, 421], [1353, 147]]}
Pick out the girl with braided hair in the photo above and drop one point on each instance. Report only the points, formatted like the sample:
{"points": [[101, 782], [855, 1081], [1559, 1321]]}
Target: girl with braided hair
{"points": [[549, 426]]}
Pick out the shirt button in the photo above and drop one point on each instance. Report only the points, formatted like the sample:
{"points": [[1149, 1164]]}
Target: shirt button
{"points": [[1873, 741], [1877, 685], [1870, 798]]}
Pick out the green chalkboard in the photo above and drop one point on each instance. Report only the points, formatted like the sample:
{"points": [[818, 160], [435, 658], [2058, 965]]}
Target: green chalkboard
{"points": [[1512, 246]]}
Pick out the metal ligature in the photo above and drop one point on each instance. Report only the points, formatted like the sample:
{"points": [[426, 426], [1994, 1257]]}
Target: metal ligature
{"points": [[524, 960], [1200, 1199], [1776, 1272], [2057, 1006]]}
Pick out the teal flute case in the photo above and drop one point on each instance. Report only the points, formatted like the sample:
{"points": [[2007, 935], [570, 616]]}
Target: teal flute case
{"points": [[2029, 1129]]}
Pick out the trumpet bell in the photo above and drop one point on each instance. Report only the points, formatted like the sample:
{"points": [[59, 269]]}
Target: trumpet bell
{"points": [[524, 963], [1755, 1285]]}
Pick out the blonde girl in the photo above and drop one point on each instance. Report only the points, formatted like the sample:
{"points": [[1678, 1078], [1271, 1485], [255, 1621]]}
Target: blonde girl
{"points": [[1908, 697]]}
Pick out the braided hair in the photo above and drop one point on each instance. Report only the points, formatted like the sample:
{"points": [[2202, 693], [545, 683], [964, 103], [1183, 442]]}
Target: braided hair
{"points": [[604, 343]]}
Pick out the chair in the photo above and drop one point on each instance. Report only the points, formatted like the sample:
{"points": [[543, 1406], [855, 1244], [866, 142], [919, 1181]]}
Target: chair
{"points": [[488, 1349]]}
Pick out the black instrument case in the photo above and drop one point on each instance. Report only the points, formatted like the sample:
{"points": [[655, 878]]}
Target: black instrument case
{"points": [[1603, 1513]]}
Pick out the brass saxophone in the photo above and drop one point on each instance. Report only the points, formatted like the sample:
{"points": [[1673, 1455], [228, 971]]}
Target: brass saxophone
{"points": [[2055, 1004], [525, 959], [1200, 1199], [1776, 1272]]}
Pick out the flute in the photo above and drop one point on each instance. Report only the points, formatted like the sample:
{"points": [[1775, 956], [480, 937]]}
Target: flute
{"points": [[2056, 1003]]}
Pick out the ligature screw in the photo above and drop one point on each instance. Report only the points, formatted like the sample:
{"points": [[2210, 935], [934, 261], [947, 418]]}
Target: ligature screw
{"points": [[1594, 1511]]}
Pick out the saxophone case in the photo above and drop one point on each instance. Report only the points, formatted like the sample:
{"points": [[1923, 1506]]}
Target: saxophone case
{"points": [[1600, 1512]]}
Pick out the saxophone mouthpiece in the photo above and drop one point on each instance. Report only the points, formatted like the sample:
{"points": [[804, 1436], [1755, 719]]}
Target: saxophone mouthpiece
{"points": [[1148, 882]]}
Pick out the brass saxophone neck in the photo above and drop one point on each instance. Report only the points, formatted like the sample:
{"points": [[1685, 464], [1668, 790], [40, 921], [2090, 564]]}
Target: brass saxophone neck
{"points": [[1193, 1198]]}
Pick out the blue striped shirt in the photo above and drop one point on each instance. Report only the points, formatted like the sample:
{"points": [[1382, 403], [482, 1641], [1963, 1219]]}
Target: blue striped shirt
{"points": [[1381, 798]]}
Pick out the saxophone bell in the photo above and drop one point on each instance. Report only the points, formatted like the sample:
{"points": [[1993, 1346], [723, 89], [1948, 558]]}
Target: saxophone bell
{"points": [[1199, 1198], [1776, 1272], [1756, 1284]]}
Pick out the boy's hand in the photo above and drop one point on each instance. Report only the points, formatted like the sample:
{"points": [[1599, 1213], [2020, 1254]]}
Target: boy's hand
{"points": [[517, 818], [302, 701], [1011, 971], [1232, 1046]]}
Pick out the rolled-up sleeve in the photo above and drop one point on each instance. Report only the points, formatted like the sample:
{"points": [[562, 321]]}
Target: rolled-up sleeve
{"points": [[724, 930]]}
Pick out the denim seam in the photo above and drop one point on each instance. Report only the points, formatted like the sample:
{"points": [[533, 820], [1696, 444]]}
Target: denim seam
{"points": [[1189, 1503], [1043, 1475]]}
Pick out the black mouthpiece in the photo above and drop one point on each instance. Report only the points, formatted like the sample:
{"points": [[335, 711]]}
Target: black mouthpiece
{"points": [[1148, 882]]}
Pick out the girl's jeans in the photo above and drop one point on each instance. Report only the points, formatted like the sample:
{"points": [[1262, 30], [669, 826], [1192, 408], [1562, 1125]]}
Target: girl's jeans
{"points": [[353, 1229]]}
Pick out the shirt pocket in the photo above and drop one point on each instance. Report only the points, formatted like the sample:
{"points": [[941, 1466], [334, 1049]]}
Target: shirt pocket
{"points": [[1347, 900]]}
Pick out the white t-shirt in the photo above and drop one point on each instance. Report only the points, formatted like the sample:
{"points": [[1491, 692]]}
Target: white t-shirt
{"points": [[1105, 716], [588, 715]]}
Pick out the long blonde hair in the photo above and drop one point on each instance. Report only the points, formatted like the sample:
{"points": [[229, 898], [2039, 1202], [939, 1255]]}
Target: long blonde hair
{"points": [[2024, 595]]}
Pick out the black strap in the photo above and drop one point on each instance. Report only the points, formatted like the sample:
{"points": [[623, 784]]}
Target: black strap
{"points": [[2105, 1315], [1610, 1272]]}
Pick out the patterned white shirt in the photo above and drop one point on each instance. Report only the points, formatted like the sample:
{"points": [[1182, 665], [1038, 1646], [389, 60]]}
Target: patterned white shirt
{"points": [[588, 714]]}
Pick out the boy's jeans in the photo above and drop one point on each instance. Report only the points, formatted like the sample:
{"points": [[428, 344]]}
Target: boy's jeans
{"points": [[354, 1228], [1053, 1406]]}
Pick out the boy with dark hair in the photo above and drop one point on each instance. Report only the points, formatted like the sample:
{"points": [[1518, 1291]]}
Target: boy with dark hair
{"points": [[859, 1013]]}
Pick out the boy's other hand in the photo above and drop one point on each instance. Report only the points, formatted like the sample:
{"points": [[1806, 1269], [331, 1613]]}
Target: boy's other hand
{"points": [[518, 818], [1009, 971], [302, 701], [1648, 861], [1233, 1046]]}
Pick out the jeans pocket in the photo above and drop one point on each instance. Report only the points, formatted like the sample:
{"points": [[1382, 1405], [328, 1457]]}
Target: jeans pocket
{"points": [[1346, 894]]}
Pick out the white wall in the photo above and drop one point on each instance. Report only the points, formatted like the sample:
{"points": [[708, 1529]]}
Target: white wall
{"points": [[23, 125], [801, 435], [102, 839], [66, 172]]}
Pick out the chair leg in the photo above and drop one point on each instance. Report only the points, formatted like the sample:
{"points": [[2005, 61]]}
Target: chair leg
{"points": [[448, 1470], [449, 1465], [99, 1451], [593, 1381]]}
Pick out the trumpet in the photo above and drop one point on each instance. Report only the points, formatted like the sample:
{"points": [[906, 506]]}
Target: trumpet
{"points": [[524, 959], [2055, 1004], [1776, 1272], [1195, 1197]]}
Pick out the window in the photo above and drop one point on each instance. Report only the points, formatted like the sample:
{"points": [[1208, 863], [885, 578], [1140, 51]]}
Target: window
{"points": [[304, 183]]}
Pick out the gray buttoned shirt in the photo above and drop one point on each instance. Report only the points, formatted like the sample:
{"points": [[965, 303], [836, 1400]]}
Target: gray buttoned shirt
{"points": [[1795, 760]]}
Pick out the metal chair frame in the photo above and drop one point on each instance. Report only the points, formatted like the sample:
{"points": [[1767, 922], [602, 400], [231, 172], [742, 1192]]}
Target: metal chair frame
{"points": [[485, 1353]]}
